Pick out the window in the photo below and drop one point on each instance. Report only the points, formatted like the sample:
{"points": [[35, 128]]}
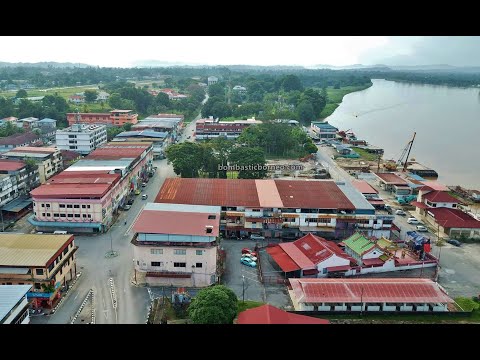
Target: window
{"points": [[69, 206], [56, 215], [65, 251], [212, 217], [38, 286], [43, 214], [209, 229], [61, 205], [179, 264], [76, 206], [156, 251], [83, 206], [39, 271], [198, 252], [70, 215], [157, 263], [88, 206], [89, 216], [180, 252], [256, 210], [84, 215], [51, 266], [43, 205], [77, 215], [47, 205], [48, 214], [198, 265], [63, 215]]}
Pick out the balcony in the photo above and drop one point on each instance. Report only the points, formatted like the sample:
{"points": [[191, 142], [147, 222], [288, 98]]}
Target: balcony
{"points": [[169, 274]]}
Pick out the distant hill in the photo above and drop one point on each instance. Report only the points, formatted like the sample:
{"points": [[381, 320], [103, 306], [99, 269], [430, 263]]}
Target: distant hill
{"points": [[377, 67], [48, 64]]}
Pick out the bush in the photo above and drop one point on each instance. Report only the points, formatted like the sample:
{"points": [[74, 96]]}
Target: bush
{"points": [[467, 304]]}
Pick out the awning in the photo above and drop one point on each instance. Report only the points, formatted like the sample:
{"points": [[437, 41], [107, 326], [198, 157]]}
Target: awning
{"points": [[282, 259], [17, 205], [373, 262], [317, 228], [310, 272], [12, 270], [376, 202], [338, 268], [419, 205], [60, 224]]}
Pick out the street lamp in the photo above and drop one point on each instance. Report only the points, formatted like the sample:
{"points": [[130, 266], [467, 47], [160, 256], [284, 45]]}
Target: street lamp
{"points": [[135, 271], [243, 288]]}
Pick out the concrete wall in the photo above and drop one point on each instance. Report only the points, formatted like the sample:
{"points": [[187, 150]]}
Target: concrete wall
{"points": [[333, 260]]}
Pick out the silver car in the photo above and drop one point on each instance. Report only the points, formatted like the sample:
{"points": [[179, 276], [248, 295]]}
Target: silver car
{"points": [[257, 237]]}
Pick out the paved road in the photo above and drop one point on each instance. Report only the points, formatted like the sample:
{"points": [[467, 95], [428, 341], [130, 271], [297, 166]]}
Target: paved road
{"points": [[97, 269], [324, 154]]}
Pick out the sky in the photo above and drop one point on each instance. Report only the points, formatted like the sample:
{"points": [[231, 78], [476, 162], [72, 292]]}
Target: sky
{"points": [[128, 51]]}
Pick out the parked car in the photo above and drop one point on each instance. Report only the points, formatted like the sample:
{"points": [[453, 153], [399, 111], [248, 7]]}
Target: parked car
{"points": [[127, 207], [400, 212], [248, 262], [421, 228], [130, 201], [412, 220], [257, 237], [249, 256], [248, 251], [454, 242], [137, 192], [144, 184], [144, 197], [388, 209]]}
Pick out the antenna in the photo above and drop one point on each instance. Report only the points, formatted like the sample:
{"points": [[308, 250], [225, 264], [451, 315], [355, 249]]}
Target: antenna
{"points": [[77, 116]]}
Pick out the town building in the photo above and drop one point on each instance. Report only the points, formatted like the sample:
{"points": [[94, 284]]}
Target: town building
{"points": [[24, 139], [11, 119], [102, 96], [240, 89], [212, 128], [367, 294], [81, 138], [69, 157], [268, 314], [86, 196], [114, 117], [172, 94], [46, 262], [47, 127], [77, 99], [212, 80], [48, 159], [156, 138], [176, 244], [28, 124], [369, 192], [324, 130], [278, 208], [14, 304], [393, 183]]}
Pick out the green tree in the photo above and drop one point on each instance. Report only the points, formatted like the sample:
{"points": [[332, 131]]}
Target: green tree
{"points": [[216, 90], [291, 83], [113, 131], [127, 126], [21, 93], [316, 98], [221, 150], [214, 305], [247, 156], [310, 147], [90, 96], [186, 158], [162, 99], [305, 112]]}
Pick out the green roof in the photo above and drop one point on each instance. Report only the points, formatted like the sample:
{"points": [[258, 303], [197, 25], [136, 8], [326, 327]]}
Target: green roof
{"points": [[383, 243], [383, 257], [359, 244]]}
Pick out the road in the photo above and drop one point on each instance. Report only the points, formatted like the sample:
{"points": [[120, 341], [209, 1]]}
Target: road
{"points": [[97, 268]]}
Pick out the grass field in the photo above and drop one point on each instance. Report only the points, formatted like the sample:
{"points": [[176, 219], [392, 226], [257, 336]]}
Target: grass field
{"points": [[365, 155], [335, 97], [63, 91], [242, 306]]}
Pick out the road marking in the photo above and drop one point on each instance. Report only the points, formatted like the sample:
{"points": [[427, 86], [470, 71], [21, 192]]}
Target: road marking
{"points": [[75, 298], [134, 220]]}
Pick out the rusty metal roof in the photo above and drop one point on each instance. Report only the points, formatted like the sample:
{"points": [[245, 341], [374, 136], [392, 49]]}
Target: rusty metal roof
{"points": [[391, 178], [401, 290]]}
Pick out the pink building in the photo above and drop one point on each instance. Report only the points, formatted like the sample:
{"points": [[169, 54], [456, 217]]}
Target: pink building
{"points": [[177, 244], [86, 196]]}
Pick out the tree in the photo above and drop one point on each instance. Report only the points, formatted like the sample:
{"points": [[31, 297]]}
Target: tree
{"points": [[21, 93], [186, 158], [221, 150], [162, 99], [113, 131], [252, 159], [214, 305], [90, 96], [216, 90], [317, 99], [305, 112], [291, 83], [127, 126]]}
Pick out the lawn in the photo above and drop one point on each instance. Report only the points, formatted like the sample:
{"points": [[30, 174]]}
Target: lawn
{"points": [[248, 304], [365, 155], [64, 92], [335, 97]]}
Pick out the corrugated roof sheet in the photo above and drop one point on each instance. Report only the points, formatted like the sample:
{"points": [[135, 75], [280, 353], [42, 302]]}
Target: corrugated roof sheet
{"points": [[391, 179], [411, 290], [454, 218], [440, 196], [73, 190], [268, 195], [355, 197], [268, 314], [10, 295], [364, 187], [283, 260], [19, 139], [359, 243], [30, 249], [11, 165]]}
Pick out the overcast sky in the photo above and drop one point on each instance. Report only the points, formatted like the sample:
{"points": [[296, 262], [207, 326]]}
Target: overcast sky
{"points": [[229, 50]]}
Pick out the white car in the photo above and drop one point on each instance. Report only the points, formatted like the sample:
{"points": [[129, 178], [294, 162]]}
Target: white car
{"points": [[257, 237], [412, 220], [421, 228], [400, 212]]}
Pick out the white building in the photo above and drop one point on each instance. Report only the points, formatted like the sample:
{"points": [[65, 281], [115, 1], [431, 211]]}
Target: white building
{"points": [[103, 96], [212, 80], [177, 244], [81, 138], [14, 304]]}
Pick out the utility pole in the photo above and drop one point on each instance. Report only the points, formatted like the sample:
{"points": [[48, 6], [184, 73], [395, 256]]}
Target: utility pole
{"points": [[1, 215], [378, 164], [243, 288]]}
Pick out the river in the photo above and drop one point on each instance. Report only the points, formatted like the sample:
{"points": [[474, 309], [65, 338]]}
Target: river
{"points": [[446, 120]]}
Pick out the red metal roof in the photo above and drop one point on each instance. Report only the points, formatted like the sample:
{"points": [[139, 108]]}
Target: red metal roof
{"points": [[296, 255], [338, 268], [373, 262], [454, 218], [84, 177], [391, 179], [118, 151], [268, 314], [411, 290], [220, 192], [419, 205], [317, 249], [11, 165], [19, 139], [434, 185], [324, 194], [440, 196], [176, 222], [68, 155], [41, 150], [364, 187], [376, 202], [282, 259], [70, 190]]}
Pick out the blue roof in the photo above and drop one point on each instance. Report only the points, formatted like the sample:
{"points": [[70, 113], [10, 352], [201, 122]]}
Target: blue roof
{"points": [[47, 120], [17, 205], [415, 177], [10, 295], [323, 125], [144, 133]]}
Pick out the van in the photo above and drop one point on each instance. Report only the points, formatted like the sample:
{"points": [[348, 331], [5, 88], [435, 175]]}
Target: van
{"points": [[59, 232]]}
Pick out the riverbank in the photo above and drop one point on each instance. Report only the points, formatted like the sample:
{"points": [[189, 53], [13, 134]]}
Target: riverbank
{"points": [[335, 97]]}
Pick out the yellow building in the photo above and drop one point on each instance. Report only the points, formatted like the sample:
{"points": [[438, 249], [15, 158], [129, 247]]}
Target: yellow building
{"points": [[46, 262]]}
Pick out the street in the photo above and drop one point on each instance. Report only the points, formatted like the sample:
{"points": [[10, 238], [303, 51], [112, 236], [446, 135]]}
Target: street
{"points": [[131, 303]]}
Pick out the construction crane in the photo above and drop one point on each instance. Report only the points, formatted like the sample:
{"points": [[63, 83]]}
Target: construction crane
{"points": [[392, 166]]}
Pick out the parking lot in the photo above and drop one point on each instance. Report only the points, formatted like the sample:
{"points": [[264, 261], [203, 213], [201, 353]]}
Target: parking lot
{"points": [[241, 278]]}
